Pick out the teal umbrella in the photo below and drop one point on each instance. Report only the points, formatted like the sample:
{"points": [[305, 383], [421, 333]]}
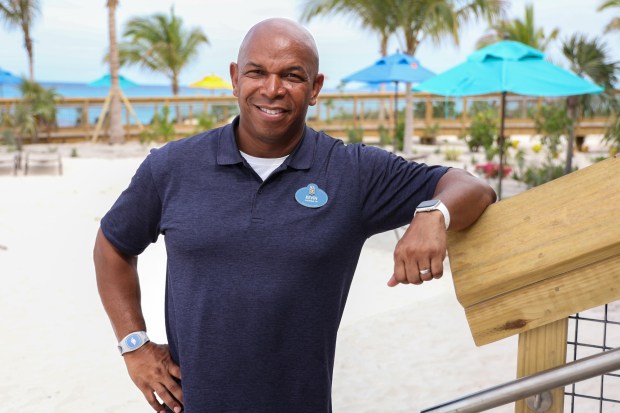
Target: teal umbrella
{"points": [[7, 78], [507, 67], [106, 81]]}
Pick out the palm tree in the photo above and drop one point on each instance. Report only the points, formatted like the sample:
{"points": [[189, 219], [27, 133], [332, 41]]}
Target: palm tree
{"points": [[372, 14], [588, 58], [524, 31], [36, 110], [117, 133], [21, 13], [160, 43], [415, 21], [614, 24]]}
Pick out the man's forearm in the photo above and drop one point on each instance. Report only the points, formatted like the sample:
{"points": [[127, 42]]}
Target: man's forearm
{"points": [[465, 196], [119, 287]]}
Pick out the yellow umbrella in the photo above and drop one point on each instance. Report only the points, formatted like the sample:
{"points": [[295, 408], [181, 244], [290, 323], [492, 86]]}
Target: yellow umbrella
{"points": [[212, 82]]}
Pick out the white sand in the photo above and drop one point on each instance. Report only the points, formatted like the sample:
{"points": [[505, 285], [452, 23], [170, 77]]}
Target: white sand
{"points": [[399, 350]]}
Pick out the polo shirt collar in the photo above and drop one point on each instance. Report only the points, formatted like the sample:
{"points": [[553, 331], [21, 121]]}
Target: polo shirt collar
{"points": [[302, 156]]}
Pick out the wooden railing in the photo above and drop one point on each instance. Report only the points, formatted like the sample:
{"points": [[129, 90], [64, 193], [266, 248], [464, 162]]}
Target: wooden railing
{"points": [[336, 113], [535, 259]]}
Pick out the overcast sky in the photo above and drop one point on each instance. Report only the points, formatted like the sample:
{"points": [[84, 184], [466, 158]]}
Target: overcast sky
{"points": [[70, 36]]}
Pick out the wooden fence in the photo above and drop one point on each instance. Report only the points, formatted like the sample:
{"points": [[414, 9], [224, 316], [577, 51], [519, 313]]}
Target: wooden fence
{"points": [[336, 113]]}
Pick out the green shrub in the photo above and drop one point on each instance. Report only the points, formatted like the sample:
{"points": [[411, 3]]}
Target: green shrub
{"points": [[452, 154], [355, 135], [483, 131], [161, 128], [535, 176]]}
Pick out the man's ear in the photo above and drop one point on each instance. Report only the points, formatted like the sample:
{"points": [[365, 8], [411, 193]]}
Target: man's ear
{"points": [[316, 88], [234, 77]]}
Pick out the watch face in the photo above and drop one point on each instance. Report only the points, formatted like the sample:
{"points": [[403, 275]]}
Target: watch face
{"points": [[133, 341], [428, 204]]}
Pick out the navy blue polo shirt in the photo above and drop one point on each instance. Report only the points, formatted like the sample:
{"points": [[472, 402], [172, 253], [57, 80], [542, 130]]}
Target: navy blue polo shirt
{"points": [[257, 277]]}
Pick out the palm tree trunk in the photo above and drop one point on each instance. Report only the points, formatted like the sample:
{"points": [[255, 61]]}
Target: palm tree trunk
{"points": [[117, 133], [29, 50], [571, 102], [175, 92]]}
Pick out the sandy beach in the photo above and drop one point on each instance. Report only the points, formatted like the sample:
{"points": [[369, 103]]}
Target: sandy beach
{"points": [[399, 349]]}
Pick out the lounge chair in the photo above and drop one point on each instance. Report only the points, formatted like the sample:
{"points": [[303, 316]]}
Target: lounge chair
{"points": [[42, 160]]}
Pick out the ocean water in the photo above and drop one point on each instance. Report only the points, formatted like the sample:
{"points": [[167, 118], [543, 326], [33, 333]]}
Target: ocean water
{"points": [[68, 89]]}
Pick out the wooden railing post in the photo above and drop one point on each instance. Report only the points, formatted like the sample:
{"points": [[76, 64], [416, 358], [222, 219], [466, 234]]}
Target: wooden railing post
{"points": [[541, 349]]}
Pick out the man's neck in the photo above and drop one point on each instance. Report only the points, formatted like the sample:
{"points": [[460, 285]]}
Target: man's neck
{"points": [[267, 148]]}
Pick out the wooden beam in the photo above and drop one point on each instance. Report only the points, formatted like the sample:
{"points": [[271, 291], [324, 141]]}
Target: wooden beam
{"points": [[545, 302], [541, 349], [542, 255]]}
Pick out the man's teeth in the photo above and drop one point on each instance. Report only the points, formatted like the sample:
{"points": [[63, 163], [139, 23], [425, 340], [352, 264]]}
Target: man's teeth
{"points": [[271, 111]]}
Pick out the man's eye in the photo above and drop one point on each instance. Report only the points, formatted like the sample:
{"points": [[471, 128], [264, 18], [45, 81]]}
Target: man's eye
{"points": [[254, 73], [293, 76]]}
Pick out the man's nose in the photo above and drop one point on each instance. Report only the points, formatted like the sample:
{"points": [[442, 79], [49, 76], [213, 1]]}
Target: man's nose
{"points": [[273, 86]]}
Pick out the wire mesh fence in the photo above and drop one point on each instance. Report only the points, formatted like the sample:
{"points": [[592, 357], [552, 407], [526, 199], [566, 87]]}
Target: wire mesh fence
{"points": [[591, 332]]}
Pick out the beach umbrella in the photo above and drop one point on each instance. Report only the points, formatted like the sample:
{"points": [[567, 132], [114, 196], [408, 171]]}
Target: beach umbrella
{"points": [[507, 67], [397, 67], [106, 81], [7, 78], [212, 82]]}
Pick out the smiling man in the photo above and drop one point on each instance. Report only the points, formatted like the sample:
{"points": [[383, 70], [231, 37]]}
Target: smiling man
{"points": [[264, 221]]}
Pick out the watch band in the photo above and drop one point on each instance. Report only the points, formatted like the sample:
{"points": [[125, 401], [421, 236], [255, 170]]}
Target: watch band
{"points": [[132, 342], [435, 205]]}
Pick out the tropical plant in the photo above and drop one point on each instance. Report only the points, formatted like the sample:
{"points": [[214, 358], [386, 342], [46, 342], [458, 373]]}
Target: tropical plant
{"points": [[36, 110], [524, 31], [117, 133], [612, 135], [589, 58], [552, 122], [483, 131], [355, 134], [21, 14], [160, 43], [412, 22], [614, 24], [161, 128], [538, 175], [204, 122]]}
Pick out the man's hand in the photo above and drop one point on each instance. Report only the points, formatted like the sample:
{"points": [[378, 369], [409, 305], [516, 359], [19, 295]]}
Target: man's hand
{"points": [[420, 253], [152, 370]]}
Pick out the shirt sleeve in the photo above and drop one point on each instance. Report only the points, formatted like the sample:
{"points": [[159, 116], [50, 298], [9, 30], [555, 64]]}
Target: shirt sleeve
{"points": [[133, 222], [391, 188]]}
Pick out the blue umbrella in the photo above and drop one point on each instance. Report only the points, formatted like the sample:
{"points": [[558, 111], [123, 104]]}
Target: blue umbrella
{"points": [[106, 81], [7, 78], [397, 67], [507, 67]]}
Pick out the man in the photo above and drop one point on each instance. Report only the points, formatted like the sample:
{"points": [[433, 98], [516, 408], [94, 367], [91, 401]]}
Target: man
{"points": [[264, 221]]}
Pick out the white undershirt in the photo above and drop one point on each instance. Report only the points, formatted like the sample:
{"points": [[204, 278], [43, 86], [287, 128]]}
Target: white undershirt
{"points": [[263, 166]]}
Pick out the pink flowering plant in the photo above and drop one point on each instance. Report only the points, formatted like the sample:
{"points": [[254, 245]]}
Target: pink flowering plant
{"points": [[491, 170]]}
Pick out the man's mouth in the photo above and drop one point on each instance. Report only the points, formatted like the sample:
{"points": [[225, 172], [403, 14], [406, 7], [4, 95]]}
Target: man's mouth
{"points": [[270, 111]]}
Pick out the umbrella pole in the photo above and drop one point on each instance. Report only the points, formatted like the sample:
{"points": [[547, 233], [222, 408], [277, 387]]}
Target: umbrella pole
{"points": [[395, 140], [501, 145]]}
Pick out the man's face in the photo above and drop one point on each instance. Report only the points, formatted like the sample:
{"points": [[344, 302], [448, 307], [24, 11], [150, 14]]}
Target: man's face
{"points": [[275, 81]]}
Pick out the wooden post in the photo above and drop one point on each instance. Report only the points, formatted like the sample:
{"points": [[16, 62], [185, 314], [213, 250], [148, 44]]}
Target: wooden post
{"points": [[541, 349]]}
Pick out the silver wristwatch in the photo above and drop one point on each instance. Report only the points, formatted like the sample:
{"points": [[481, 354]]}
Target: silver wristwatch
{"points": [[132, 342], [434, 205]]}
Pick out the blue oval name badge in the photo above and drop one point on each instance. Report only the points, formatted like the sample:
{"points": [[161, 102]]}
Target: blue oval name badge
{"points": [[311, 196]]}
